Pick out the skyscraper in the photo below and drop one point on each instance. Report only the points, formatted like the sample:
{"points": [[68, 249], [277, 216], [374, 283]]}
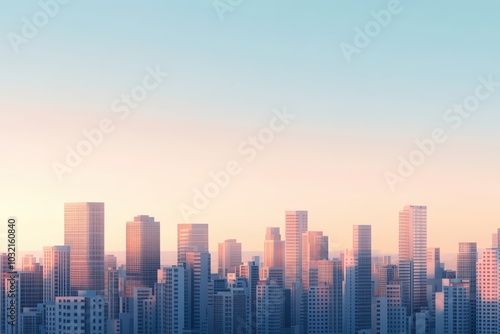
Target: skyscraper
{"points": [[84, 233], [270, 308], [56, 272], [362, 251], [453, 307], [170, 300], [143, 253], [314, 249], [466, 270], [274, 249], [200, 292], [296, 225], [413, 253], [330, 273], [488, 292], [250, 271], [229, 257], [191, 238]]}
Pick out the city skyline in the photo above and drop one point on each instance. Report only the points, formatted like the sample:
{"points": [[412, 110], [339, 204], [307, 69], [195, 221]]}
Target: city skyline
{"points": [[355, 292]]}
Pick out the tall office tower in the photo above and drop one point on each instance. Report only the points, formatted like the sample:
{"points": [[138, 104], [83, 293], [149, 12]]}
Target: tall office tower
{"points": [[112, 293], [250, 271], [199, 292], [229, 257], [273, 274], [191, 238], [144, 311], [56, 272], [434, 282], [270, 308], [84, 233], [434, 264], [386, 274], [232, 314], [349, 293], [110, 262], [330, 272], [274, 249], [413, 249], [143, 253], [488, 292], [296, 225], [86, 315], [170, 300], [314, 249], [466, 270], [362, 248], [453, 307], [28, 293]]}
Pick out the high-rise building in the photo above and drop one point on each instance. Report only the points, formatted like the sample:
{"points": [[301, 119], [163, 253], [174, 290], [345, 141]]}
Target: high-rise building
{"points": [[453, 307], [28, 287], [466, 270], [488, 292], [232, 314], [144, 311], [191, 238], [386, 274], [112, 293], [434, 264], [143, 253], [170, 300], [319, 309], [56, 272], [362, 251], [200, 293], [296, 225], [388, 314], [330, 272], [276, 274], [229, 257], [349, 292], [314, 249], [82, 314], [84, 233], [274, 249], [250, 271], [32, 319], [270, 308], [413, 254]]}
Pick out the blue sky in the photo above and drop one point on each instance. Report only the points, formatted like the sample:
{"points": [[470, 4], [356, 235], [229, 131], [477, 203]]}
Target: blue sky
{"points": [[354, 119]]}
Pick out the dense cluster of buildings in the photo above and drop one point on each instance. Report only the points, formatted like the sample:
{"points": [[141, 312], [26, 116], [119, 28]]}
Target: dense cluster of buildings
{"points": [[296, 288]]}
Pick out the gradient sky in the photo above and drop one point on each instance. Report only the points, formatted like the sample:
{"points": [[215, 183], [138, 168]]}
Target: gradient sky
{"points": [[225, 78]]}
